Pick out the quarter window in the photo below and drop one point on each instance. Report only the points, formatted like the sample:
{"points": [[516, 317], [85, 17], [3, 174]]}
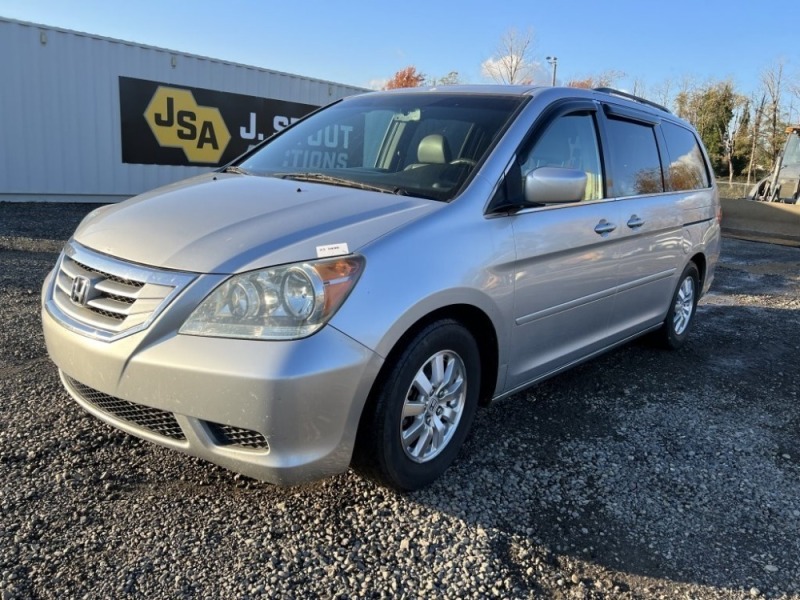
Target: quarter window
{"points": [[635, 163], [687, 168]]}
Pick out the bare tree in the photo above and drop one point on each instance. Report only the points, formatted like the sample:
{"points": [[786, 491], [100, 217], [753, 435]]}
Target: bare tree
{"points": [[604, 79], [735, 136], [639, 87], [513, 61], [687, 87], [452, 78], [795, 89], [758, 114], [773, 82], [662, 93]]}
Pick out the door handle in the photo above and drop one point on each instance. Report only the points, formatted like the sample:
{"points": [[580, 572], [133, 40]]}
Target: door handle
{"points": [[604, 227], [635, 222]]}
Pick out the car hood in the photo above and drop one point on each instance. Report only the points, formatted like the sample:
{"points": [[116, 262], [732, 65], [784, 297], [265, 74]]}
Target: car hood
{"points": [[228, 223]]}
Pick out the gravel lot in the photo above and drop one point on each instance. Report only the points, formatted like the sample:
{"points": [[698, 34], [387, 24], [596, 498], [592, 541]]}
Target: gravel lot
{"points": [[643, 474]]}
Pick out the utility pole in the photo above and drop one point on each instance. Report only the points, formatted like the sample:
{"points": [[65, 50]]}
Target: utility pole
{"points": [[553, 61]]}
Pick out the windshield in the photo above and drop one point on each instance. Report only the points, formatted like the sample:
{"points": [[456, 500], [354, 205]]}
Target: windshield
{"points": [[791, 155], [420, 144]]}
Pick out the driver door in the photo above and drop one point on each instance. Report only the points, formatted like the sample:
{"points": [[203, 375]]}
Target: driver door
{"points": [[566, 270]]}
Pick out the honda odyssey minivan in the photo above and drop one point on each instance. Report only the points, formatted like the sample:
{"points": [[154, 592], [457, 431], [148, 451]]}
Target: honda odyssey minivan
{"points": [[351, 290]]}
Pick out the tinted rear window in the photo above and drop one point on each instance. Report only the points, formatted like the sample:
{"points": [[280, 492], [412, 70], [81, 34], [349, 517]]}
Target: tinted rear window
{"points": [[687, 168], [635, 162]]}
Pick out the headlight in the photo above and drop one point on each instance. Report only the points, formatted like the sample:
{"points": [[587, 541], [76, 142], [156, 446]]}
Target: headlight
{"points": [[279, 303]]}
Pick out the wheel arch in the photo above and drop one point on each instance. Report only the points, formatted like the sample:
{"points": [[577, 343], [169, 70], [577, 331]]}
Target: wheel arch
{"points": [[474, 320], [699, 259]]}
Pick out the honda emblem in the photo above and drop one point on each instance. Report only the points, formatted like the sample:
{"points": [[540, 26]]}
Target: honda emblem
{"points": [[79, 293]]}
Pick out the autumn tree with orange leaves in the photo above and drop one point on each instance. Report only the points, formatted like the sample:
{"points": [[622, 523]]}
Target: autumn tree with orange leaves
{"points": [[405, 78]]}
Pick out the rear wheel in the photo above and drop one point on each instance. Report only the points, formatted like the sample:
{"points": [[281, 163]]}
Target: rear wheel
{"points": [[422, 409], [675, 330]]}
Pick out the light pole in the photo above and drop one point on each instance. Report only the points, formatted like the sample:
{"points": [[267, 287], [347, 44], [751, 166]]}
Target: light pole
{"points": [[553, 61]]}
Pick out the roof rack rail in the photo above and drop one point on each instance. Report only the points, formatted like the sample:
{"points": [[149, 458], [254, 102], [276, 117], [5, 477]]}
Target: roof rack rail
{"points": [[615, 92]]}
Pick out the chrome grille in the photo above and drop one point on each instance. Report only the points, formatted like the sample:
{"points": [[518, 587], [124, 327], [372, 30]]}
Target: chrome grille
{"points": [[154, 420], [106, 298], [228, 435]]}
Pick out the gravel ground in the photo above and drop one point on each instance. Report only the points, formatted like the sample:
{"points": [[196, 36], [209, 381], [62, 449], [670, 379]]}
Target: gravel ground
{"points": [[642, 474]]}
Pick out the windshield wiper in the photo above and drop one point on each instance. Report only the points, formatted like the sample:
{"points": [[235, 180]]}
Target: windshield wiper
{"points": [[341, 181], [235, 169]]}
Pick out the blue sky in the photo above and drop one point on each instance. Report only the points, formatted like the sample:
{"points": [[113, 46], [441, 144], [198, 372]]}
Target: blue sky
{"points": [[359, 42]]}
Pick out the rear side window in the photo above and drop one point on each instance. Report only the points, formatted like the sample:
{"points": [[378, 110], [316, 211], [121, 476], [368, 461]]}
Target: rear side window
{"points": [[635, 163], [687, 169]]}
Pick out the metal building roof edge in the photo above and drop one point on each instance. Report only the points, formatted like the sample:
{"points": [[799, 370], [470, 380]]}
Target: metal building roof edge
{"points": [[176, 52]]}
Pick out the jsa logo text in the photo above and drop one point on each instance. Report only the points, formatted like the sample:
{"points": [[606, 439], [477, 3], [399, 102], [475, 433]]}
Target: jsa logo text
{"points": [[177, 121]]}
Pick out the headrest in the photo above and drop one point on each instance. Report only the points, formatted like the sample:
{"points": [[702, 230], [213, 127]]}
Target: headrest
{"points": [[433, 149]]}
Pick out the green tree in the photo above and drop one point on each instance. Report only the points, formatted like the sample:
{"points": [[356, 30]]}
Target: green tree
{"points": [[737, 143], [710, 109]]}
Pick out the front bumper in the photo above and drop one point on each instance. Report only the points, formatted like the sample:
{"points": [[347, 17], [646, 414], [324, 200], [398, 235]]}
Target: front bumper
{"points": [[303, 398]]}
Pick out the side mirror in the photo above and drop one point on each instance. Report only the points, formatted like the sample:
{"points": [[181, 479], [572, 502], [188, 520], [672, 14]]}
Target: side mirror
{"points": [[554, 185]]}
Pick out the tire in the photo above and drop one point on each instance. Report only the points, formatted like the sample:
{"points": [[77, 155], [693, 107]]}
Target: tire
{"points": [[408, 436], [676, 327]]}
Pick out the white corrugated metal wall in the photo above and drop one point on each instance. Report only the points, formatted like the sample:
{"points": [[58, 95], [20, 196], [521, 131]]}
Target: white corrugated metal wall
{"points": [[60, 113]]}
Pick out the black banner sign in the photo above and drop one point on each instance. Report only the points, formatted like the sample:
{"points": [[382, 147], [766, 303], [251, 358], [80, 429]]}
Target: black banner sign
{"points": [[167, 124]]}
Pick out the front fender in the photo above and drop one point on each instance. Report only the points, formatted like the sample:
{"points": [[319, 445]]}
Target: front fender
{"points": [[445, 260]]}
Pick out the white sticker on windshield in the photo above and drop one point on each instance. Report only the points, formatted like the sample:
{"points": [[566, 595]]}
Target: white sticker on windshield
{"points": [[332, 250]]}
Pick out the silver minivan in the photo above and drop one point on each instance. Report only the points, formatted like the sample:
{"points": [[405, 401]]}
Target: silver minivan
{"points": [[351, 290]]}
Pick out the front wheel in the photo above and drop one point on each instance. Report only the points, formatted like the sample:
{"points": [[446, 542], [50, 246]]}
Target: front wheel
{"points": [[422, 409], [675, 330]]}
